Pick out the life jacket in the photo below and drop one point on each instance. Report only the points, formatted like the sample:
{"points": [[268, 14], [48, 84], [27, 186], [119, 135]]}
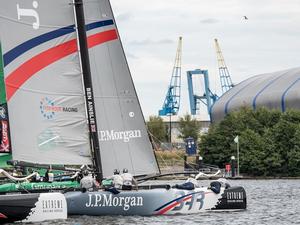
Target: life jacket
{"points": [[127, 179], [117, 181], [88, 183], [50, 177]]}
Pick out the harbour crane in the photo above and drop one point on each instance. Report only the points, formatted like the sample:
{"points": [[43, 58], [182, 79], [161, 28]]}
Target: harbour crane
{"points": [[172, 101], [208, 98], [226, 82]]}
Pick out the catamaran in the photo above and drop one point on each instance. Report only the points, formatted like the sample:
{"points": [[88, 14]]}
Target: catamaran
{"points": [[71, 101]]}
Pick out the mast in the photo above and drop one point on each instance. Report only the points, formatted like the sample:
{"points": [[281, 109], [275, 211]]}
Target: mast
{"points": [[87, 81]]}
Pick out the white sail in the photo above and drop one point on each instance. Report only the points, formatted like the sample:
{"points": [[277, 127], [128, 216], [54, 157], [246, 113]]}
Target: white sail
{"points": [[124, 142], [44, 82]]}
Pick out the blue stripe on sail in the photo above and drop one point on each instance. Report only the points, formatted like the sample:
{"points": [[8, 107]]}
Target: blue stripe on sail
{"points": [[97, 24], [283, 107], [26, 46]]}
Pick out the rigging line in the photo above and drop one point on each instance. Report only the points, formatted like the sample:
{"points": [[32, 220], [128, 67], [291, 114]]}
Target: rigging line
{"points": [[162, 158], [176, 154]]}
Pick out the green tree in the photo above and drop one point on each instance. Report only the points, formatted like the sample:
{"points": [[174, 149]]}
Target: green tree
{"points": [[188, 127], [294, 155], [157, 128], [251, 153], [269, 141]]}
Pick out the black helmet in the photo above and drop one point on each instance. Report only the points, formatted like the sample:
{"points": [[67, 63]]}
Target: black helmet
{"points": [[125, 170], [116, 171]]}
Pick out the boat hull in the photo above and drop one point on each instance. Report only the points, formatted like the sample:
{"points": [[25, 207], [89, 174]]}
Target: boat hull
{"points": [[32, 207], [155, 202]]}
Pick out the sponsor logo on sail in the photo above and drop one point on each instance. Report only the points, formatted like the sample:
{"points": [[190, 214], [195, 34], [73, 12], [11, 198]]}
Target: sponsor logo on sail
{"points": [[91, 110], [4, 145], [49, 109], [112, 135], [30, 13], [2, 113], [104, 200]]}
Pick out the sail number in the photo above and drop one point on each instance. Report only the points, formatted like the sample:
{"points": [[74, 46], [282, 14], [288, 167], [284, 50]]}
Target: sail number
{"points": [[190, 200]]}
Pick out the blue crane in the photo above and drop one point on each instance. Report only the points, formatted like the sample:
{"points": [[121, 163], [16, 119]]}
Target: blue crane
{"points": [[172, 101]]}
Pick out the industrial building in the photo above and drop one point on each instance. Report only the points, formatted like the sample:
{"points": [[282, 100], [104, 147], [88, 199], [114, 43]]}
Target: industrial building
{"points": [[277, 90]]}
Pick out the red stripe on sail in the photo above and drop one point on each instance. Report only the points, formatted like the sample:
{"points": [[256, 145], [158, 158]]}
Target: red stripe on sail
{"points": [[29, 68], [102, 37]]}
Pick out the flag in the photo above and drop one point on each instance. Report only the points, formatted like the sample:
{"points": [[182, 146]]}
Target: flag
{"points": [[236, 139]]}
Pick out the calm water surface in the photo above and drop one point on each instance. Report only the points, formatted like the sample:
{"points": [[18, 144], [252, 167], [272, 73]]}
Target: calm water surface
{"points": [[269, 202]]}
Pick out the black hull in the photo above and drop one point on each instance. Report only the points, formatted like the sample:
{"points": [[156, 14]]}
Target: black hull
{"points": [[16, 207]]}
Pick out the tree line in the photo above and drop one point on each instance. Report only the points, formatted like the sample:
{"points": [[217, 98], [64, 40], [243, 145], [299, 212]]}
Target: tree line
{"points": [[269, 140]]}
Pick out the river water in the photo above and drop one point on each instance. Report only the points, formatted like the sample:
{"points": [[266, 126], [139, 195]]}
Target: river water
{"points": [[269, 202]]}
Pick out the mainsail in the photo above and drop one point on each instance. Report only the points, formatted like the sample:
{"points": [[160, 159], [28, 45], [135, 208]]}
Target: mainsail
{"points": [[44, 82], [45, 94], [123, 138]]}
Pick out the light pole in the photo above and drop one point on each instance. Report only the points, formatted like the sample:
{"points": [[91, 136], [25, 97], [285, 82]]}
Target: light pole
{"points": [[170, 130], [236, 140], [233, 165]]}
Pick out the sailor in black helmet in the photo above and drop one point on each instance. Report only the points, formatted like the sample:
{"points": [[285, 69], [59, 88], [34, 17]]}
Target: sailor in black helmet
{"points": [[128, 180]]}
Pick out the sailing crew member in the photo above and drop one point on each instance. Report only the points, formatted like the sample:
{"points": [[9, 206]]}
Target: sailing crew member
{"points": [[190, 184], [49, 176], [117, 179], [15, 173], [193, 181], [36, 177], [87, 182], [128, 180]]}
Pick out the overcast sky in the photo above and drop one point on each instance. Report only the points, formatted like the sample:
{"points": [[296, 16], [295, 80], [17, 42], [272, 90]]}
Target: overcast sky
{"points": [[268, 41]]}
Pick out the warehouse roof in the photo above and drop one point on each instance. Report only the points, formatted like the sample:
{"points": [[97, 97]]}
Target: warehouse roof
{"points": [[277, 90]]}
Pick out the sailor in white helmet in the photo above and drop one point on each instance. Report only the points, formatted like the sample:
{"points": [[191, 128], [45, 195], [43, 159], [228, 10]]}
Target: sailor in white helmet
{"points": [[117, 179], [128, 180], [88, 183]]}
